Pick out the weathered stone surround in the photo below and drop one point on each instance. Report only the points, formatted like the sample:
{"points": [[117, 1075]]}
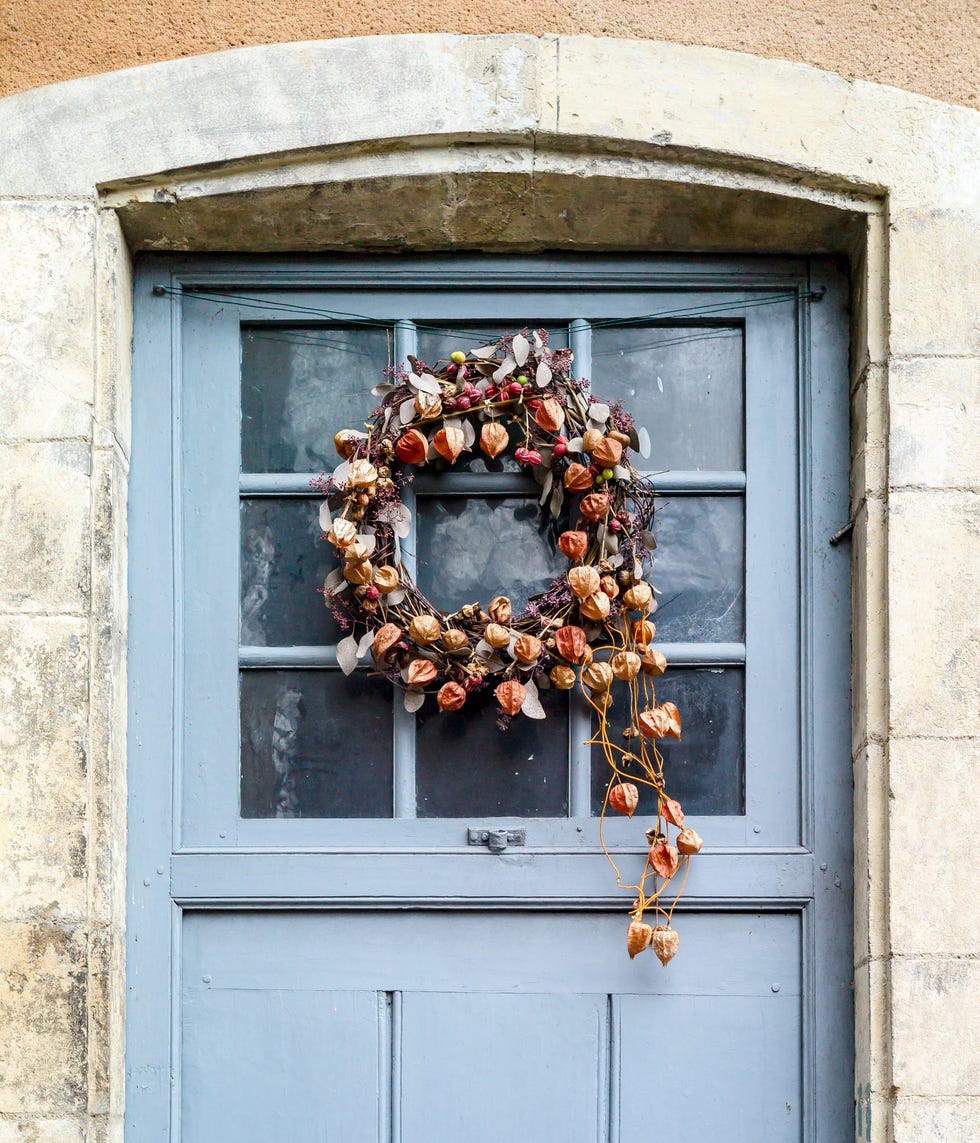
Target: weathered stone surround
{"points": [[536, 143]]}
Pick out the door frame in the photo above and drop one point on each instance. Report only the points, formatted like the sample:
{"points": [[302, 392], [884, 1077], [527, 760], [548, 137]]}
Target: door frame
{"points": [[163, 879]]}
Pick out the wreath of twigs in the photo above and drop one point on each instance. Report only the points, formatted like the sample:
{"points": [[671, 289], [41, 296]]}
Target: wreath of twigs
{"points": [[590, 628]]}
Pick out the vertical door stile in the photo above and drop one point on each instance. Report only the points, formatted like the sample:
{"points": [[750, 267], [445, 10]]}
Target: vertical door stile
{"points": [[406, 342], [580, 717]]}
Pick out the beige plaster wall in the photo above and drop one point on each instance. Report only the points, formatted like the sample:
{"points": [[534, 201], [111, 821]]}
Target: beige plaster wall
{"points": [[89, 164], [926, 46]]}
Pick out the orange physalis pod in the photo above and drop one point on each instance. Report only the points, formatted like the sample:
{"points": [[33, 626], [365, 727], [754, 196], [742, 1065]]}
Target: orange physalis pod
{"points": [[672, 811], [571, 643], [385, 638], [597, 677], [638, 597], [642, 632], [689, 841], [550, 415], [562, 677], [674, 717], [625, 665], [449, 442], [595, 506], [573, 545], [638, 937], [653, 662], [511, 696], [596, 606], [583, 582], [421, 672], [493, 439], [609, 586], [591, 438], [346, 442], [527, 649], [664, 943], [496, 635], [624, 798], [664, 859], [578, 478], [454, 640], [450, 696], [608, 452], [412, 447]]}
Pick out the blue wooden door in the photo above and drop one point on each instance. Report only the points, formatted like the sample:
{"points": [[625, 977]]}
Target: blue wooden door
{"points": [[316, 952]]}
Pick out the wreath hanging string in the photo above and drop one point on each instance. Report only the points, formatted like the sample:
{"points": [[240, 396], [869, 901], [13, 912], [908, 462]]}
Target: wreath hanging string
{"points": [[592, 627]]}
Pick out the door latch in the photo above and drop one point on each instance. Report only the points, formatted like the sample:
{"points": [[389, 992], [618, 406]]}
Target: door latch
{"points": [[496, 840]]}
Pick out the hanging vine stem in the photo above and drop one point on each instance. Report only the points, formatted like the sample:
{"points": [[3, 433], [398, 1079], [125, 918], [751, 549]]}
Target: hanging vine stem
{"points": [[591, 627]]}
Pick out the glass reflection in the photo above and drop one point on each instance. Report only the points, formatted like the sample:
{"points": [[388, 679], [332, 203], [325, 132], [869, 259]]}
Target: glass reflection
{"points": [[315, 744]]}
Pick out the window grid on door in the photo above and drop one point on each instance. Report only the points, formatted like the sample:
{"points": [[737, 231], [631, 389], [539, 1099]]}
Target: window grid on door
{"points": [[584, 777]]}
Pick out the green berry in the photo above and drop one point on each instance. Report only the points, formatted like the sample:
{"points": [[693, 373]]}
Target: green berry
{"points": [[458, 357], [522, 380], [607, 474]]}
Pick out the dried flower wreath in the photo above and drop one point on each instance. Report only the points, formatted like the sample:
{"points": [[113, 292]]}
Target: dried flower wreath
{"points": [[591, 627]]}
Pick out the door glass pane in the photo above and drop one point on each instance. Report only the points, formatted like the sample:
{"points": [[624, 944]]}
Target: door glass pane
{"points": [[699, 569], [467, 766], [283, 565], [300, 386], [472, 548], [315, 744], [684, 384], [705, 769]]}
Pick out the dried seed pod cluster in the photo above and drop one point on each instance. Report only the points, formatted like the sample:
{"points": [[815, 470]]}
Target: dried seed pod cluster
{"points": [[591, 628]]}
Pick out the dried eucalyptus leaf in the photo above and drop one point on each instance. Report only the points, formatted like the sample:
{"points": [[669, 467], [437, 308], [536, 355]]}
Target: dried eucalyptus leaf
{"points": [[616, 561], [505, 368], [542, 375], [634, 439], [483, 649], [428, 384], [414, 700], [414, 362], [406, 411], [643, 443], [383, 390], [599, 413], [393, 598], [367, 639], [369, 540], [538, 339], [340, 473], [621, 472], [521, 348], [557, 499], [324, 517], [532, 704], [469, 433], [637, 570], [333, 581], [649, 541], [347, 654], [576, 444], [544, 683], [549, 480], [484, 351]]}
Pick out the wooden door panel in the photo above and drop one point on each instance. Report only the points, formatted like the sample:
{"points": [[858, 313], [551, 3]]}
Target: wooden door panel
{"points": [[725, 1068], [487, 1066], [268, 1064]]}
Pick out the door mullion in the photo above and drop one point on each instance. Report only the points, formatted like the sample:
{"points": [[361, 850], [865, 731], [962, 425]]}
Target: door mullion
{"points": [[579, 714], [403, 721]]}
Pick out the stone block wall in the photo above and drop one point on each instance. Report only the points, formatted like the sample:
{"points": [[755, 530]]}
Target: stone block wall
{"points": [[88, 170]]}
